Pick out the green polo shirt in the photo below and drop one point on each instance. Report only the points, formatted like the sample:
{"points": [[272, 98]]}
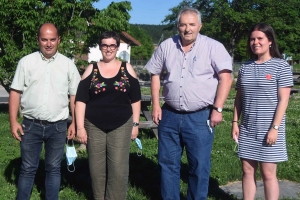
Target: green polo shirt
{"points": [[45, 85]]}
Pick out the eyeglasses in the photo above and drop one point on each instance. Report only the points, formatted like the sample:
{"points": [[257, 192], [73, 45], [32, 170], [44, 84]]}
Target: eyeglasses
{"points": [[111, 46]]}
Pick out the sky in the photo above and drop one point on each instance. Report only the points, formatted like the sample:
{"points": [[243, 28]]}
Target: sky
{"points": [[145, 11]]}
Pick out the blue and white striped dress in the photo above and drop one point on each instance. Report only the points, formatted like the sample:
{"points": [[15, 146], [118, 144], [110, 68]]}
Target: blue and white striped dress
{"points": [[259, 85]]}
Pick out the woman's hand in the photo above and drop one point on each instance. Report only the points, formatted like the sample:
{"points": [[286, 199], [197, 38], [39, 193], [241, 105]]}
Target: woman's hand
{"points": [[235, 131], [82, 136], [272, 136], [134, 132]]}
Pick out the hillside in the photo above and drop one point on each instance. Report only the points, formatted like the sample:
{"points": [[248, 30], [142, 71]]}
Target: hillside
{"points": [[157, 31]]}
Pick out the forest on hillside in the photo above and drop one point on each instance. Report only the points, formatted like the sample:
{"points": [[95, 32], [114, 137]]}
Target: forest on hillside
{"points": [[157, 32]]}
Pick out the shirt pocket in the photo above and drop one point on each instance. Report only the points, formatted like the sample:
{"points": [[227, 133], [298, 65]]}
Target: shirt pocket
{"points": [[200, 68]]}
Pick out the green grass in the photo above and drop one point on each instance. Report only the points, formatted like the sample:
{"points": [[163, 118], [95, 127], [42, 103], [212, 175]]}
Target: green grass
{"points": [[296, 67], [144, 171]]}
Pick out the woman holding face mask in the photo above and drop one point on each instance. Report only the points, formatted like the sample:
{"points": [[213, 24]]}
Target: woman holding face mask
{"points": [[108, 103], [263, 91]]}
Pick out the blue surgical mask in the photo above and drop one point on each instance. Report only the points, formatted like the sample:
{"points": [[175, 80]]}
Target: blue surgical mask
{"points": [[139, 144], [71, 155]]}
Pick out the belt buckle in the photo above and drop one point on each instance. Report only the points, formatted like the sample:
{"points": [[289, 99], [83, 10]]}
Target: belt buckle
{"points": [[43, 122]]}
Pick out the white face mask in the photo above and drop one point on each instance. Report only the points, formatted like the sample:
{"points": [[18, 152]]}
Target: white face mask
{"points": [[236, 147], [71, 155]]}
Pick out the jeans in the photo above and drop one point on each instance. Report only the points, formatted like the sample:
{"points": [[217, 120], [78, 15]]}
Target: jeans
{"points": [[54, 137], [109, 160], [177, 130]]}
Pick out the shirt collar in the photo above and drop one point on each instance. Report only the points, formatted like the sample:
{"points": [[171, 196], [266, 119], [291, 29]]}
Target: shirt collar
{"points": [[179, 41], [48, 60]]}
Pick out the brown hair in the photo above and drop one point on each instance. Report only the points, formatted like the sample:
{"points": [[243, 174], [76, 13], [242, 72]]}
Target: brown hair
{"points": [[270, 34]]}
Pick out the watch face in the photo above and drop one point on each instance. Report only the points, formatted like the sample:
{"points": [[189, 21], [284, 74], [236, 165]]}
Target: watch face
{"points": [[276, 127], [218, 109], [135, 124]]}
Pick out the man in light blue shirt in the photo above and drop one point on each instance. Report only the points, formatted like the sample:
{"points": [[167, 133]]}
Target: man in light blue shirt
{"points": [[197, 80], [45, 79]]}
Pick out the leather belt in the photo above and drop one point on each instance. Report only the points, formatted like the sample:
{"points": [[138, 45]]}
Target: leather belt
{"points": [[42, 122]]}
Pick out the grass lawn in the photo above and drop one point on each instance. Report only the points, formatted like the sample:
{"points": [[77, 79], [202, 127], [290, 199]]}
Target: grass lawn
{"points": [[144, 171]]}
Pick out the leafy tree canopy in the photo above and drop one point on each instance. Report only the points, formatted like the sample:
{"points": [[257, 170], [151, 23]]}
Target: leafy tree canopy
{"points": [[79, 23], [146, 49], [229, 22]]}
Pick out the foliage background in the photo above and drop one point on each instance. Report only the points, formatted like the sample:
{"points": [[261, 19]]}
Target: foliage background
{"points": [[229, 22], [79, 23]]}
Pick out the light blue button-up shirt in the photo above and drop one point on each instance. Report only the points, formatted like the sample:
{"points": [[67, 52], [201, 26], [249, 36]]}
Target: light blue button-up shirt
{"points": [[190, 79]]}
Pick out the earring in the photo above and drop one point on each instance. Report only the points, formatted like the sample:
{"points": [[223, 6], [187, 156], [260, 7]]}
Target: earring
{"points": [[270, 46]]}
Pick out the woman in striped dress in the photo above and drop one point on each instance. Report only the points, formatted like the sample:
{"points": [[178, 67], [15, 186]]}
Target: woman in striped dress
{"points": [[263, 90]]}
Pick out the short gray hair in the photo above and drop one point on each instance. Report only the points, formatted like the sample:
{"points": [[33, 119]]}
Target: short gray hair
{"points": [[189, 10]]}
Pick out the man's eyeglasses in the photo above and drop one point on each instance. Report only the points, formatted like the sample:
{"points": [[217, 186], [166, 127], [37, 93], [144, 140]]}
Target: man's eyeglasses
{"points": [[111, 46]]}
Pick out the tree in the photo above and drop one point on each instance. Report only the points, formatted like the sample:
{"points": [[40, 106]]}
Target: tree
{"points": [[79, 23], [229, 21], [146, 49], [156, 32]]}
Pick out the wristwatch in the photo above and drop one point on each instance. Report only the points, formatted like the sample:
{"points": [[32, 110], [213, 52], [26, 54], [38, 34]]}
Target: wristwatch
{"points": [[275, 127], [135, 124], [219, 110]]}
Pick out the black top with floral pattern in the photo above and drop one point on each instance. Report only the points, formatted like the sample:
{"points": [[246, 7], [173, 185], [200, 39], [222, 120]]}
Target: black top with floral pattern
{"points": [[108, 100]]}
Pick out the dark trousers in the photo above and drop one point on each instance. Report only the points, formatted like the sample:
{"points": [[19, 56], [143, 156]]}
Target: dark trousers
{"points": [[54, 138]]}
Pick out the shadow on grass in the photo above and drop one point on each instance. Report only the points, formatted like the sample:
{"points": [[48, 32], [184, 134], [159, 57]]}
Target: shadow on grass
{"points": [[3, 108], [146, 132], [145, 175], [214, 190], [78, 180]]}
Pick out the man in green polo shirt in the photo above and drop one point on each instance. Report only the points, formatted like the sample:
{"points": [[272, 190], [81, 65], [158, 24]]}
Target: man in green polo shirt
{"points": [[42, 83]]}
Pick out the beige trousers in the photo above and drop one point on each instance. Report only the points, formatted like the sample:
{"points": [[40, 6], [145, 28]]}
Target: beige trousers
{"points": [[108, 155]]}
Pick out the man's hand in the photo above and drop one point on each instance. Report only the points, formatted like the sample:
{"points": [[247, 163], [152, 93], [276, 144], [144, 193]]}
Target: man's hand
{"points": [[215, 118], [71, 131], [156, 114], [15, 129]]}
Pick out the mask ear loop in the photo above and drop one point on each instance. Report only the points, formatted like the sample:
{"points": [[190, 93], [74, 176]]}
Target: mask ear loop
{"points": [[139, 152], [72, 162], [69, 168]]}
